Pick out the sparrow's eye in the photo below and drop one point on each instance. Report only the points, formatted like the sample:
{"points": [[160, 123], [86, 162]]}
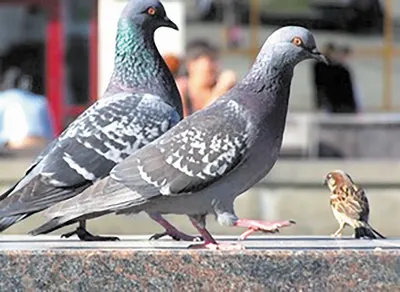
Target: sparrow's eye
{"points": [[151, 11], [297, 41]]}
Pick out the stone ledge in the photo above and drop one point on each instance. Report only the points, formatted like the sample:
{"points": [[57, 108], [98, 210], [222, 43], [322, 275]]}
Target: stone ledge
{"points": [[134, 264]]}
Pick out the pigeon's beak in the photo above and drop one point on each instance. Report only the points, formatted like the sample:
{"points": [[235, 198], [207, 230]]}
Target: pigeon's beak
{"points": [[319, 57], [168, 23]]}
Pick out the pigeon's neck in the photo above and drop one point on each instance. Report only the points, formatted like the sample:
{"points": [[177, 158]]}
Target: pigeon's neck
{"points": [[272, 72], [266, 88], [138, 65]]}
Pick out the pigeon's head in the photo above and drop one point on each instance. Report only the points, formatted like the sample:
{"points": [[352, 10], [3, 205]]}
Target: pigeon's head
{"points": [[149, 14], [297, 43]]}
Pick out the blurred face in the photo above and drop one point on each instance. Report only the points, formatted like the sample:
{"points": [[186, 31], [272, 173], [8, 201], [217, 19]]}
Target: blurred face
{"points": [[342, 56], [204, 69]]}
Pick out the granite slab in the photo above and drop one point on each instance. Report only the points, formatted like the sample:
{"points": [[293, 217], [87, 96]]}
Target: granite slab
{"points": [[270, 263]]}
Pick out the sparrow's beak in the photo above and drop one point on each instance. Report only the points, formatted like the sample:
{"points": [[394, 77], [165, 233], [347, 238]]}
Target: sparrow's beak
{"points": [[319, 57], [168, 23], [325, 182]]}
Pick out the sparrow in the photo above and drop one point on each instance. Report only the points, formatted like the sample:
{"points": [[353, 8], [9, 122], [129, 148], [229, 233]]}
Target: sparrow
{"points": [[350, 205]]}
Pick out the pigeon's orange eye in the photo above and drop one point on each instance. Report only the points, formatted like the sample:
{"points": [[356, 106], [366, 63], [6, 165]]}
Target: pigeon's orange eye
{"points": [[151, 11], [297, 41]]}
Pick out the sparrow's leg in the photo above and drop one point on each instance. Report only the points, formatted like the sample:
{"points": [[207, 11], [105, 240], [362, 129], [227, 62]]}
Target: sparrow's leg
{"points": [[199, 222], [84, 235], [263, 226], [170, 230], [338, 232]]}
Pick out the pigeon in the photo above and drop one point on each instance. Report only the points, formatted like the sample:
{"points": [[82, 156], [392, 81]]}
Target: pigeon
{"points": [[208, 159], [350, 205], [140, 103]]}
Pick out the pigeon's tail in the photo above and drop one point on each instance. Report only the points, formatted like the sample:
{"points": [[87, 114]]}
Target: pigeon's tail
{"points": [[8, 221], [50, 226], [367, 231], [103, 197], [59, 222], [7, 193], [26, 200]]}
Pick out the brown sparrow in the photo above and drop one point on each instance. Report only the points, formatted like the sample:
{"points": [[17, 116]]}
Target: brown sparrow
{"points": [[349, 204]]}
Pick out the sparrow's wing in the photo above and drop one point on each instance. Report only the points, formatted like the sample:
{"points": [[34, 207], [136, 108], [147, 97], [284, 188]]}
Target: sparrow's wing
{"points": [[351, 202]]}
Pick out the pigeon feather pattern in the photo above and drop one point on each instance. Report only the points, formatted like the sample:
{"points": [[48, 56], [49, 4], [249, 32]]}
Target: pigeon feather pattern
{"points": [[192, 156], [106, 134], [204, 162], [187, 159], [140, 104]]}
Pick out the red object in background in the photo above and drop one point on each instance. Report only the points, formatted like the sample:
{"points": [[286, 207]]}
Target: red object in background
{"points": [[93, 62], [75, 110], [55, 63], [55, 59]]}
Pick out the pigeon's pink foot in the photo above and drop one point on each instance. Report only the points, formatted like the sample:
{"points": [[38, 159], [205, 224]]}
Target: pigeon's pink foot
{"points": [[209, 241], [218, 246], [263, 226], [170, 230]]}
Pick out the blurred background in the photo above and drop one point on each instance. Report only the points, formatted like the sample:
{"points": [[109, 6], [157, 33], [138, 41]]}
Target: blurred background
{"points": [[56, 57]]}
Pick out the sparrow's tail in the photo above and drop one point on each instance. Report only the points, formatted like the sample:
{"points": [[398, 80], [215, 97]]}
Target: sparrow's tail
{"points": [[367, 231]]}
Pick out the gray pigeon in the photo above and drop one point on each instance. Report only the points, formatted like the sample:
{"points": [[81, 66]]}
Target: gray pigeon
{"points": [[202, 164], [140, 104]]}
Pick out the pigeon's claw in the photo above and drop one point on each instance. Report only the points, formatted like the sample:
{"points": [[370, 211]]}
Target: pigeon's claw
{"points": [[263, 226], [176, 235], [209, 241], [84, 235], [157, 236]]}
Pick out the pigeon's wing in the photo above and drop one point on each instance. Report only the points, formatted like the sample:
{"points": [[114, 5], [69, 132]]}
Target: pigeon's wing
{"points": [[196, 153], [102, 136], [353, 203], [45, 151]]}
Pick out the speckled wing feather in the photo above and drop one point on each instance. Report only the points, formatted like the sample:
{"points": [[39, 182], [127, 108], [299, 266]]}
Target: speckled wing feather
{"points": [[104, 135], [351, 202], [196, 153]]}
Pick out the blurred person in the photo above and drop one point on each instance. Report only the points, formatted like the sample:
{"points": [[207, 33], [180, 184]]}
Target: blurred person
{"points": [[321, 76], [345, 53], [10, 78], [340, 87], [25, 120], [336, 91], [203, 82], [174, 64]]}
